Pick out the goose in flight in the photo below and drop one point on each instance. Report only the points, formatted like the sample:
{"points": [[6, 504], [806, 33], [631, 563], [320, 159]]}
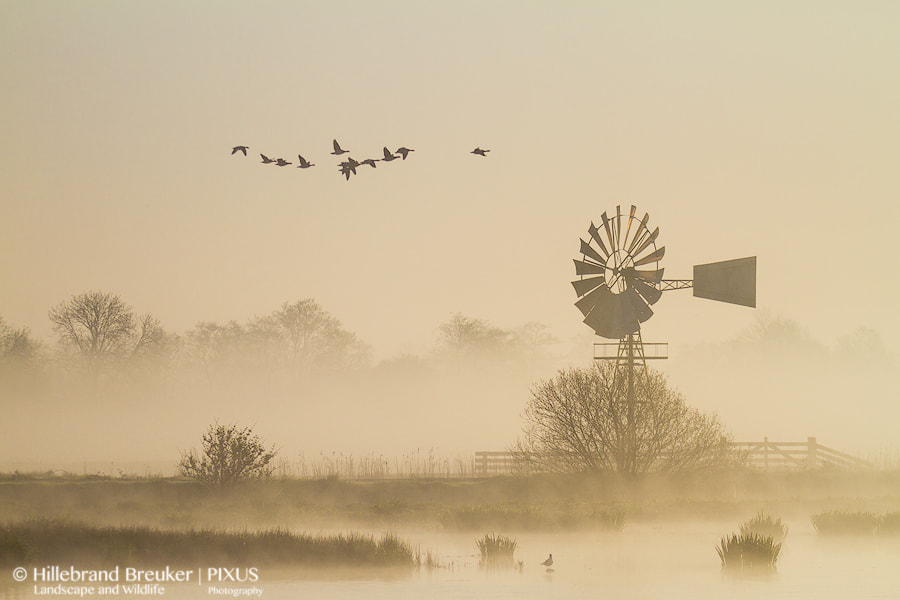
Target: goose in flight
{"points": [[240, 149], [337, 149], [266, 160], [349, 165], [304, 164], [480, 152], [388, 157], [281, 162], [404, 151], [370, 161], [346, 170]]}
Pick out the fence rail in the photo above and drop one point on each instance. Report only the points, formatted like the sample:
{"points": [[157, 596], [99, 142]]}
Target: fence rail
{"points": [[764, 455]]}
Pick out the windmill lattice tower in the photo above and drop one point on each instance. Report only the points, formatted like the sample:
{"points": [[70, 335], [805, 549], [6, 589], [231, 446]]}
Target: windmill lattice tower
{"points": [[619, 278]]}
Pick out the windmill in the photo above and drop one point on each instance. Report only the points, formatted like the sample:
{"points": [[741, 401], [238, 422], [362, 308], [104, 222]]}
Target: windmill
{"points": [[620, 278]]}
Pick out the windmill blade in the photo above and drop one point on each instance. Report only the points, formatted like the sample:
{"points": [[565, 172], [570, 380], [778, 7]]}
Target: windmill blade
{"points": [[600, 297], [589, 251], [653, 257], [609, 235], [646, 242], [625, 317], [583, 286], [642, 231], [649, 293], [586, 268], [628, 229], [641, 309], [599, 314], [618, 226], [654, 276], [595, 235]]}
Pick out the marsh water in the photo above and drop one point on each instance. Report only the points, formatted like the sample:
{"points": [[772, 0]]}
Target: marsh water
{"points": [[646, 560]]}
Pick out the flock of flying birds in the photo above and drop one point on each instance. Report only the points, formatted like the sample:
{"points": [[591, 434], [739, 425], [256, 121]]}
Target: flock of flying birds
{"points": [[347, 167]]}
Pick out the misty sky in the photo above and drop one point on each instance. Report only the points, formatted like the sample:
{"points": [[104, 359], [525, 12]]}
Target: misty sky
{"points": [[756, 128]]}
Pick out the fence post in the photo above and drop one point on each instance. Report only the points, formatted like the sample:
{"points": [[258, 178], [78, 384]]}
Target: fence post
{"points": [[811, 453]]}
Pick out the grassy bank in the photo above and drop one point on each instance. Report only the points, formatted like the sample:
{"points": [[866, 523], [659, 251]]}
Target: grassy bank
{"points": [[547, 502], [42, 542]]}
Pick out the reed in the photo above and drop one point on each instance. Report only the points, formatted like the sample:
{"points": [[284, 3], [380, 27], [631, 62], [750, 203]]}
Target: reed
{"points": [[47, 541], [766, 526], [845, 523], [748, 551], [496, 550], [889, 524]]}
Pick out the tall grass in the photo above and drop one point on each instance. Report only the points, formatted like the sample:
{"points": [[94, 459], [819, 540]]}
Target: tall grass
{"points": [[766, 526], [845, 523], [748, 551], [531, 517], [47, 541], [496, 550]]}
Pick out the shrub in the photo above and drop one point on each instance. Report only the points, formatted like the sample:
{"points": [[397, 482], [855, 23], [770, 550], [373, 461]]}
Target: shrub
{"points": [[230, 455]]}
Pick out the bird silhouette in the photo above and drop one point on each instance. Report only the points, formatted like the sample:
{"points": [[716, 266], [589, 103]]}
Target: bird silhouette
{"points": [[480, 152], [370, 161], [241, 149], [548, 562], [304, 164], [337, 149], [349, 166], [346, 170], [266, 160], [281, 162], [388, 157], [404, 151]]}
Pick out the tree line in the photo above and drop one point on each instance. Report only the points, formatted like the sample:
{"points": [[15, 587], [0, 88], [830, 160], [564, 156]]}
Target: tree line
{"points": [[99, 333]]}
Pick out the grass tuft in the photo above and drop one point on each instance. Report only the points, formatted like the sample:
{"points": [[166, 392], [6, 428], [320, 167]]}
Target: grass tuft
{"points": [[766, 526], [496, 550], [748, 551], [845, 523]]}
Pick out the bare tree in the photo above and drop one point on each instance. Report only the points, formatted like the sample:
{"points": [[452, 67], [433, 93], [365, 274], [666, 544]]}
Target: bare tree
{"points": [[578, 421], [230, 454], [315, 338], [98, 325], [16, 345]]}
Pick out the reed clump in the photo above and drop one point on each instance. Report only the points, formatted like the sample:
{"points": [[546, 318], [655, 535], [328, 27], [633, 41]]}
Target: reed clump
{"points": [[765, 525], [845, 523], [47, 541], [748, 551], [496, 550], [531, 518]]}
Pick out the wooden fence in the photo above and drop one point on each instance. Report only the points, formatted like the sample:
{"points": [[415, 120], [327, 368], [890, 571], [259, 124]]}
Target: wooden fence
{"points": [[764, 455]]}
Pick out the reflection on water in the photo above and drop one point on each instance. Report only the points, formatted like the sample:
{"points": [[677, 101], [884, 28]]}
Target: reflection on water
{"points": [[646, 560]]}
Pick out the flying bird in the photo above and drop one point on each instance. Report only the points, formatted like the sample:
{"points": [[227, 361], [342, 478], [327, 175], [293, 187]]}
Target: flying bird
{"points": [[281, 162], [241, 149], [548, 562], [349, 165], [480, 152], [370, 161], [404, 151], [266, 160], [346, 169], [337, 149], [388, 157], [304, 164]]}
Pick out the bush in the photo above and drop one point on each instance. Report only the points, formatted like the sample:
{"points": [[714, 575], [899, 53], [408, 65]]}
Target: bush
{"points": [[230, 455]]}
